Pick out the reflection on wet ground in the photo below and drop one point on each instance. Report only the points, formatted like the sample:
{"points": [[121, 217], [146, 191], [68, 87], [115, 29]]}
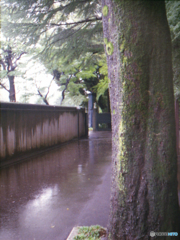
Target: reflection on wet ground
{"points": [[43, 198]]}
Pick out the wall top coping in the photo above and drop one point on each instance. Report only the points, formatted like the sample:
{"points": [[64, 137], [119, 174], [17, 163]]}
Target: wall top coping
{"points": [[36, 107]]}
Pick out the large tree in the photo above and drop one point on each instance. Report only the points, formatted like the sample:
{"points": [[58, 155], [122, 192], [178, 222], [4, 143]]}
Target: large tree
{"points": [[144, 184]]}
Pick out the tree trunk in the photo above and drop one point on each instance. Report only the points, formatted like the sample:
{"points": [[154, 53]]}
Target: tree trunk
{"points": [[12, 93], [144, 182]]}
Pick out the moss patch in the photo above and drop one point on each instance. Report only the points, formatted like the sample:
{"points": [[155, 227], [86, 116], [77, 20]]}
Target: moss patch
{"points": [[105, 40], [109, 48], [105, 11]]}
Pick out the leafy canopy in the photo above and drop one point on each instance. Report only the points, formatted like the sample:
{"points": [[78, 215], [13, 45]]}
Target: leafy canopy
{"points": [[65, 36]]}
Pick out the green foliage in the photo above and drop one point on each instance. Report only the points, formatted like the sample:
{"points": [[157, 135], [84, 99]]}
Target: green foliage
{"points": [[105, 40], [57, 26], [15, 73], [65, 36], [81, 75], [103, 84], [102, 87], [3, 74], [53, 30], [90, 233], [87, 73], [173, 15]]}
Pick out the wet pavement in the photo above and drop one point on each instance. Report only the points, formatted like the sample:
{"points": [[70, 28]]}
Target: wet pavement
{"points": [[45, 197]]}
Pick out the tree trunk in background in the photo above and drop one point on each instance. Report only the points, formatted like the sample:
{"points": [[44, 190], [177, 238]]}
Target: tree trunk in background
{"points": [[12, 93], [144, 183]]}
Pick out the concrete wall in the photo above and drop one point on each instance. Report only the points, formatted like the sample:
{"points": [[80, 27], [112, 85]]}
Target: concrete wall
{"points": [[26, 126]]}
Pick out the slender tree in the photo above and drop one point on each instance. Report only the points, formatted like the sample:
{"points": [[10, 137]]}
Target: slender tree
{"points": [[144, 185], [8, 62]]}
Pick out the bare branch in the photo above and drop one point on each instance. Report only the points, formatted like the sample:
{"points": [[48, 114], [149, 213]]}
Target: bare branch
{"points": [[48, 88], [43, 98], [20, 55], [15, 62], [3, 64], [3, 86]]}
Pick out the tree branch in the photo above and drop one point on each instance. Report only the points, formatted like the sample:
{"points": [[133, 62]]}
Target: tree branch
{"points": [[79, 22], [70, 35], [20, 55], [49, 88], [43, 98], [3, 86], [66, 85], [3, 64], [48, 43]]}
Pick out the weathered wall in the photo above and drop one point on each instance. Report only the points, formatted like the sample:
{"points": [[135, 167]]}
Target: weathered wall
{"points": [[25, 126]]}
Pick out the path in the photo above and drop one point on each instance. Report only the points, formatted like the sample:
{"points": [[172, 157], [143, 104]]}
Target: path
{"points": [[46, 196]]}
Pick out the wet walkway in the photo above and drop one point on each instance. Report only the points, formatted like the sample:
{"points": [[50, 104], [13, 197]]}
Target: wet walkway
{"points": [[45, 197]]}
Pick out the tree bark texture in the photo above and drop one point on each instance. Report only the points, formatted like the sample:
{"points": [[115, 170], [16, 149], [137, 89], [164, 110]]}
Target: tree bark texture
{"points": [[144, 181], [12, 93]]}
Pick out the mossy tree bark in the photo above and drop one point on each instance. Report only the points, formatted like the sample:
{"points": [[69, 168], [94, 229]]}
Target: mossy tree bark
{"points": [[144, 182]]}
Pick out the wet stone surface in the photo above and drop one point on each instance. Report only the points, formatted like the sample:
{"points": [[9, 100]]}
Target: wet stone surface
{"points": [[45, 197]]}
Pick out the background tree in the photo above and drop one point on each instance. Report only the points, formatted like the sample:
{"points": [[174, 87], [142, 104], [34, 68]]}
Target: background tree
{"points": [[80, 76], [138, 48], [37, 83], [9, 62]]}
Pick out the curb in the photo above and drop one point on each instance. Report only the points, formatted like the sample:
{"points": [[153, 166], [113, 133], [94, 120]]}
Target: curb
{"points": [[73, 233]]}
